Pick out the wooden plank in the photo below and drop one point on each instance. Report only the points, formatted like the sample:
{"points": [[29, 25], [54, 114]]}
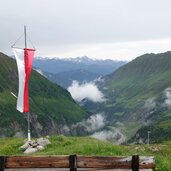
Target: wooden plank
{"points": [[113, 162], [104, 162], [37, 162], [147, 162], [62, 169], [36, 158]]}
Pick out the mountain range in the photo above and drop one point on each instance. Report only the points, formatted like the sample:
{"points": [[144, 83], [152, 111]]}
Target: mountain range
{"points": [[81, 69]]}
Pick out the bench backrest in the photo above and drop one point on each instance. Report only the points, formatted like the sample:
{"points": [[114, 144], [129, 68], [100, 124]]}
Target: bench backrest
{"points": [[73, 162]]}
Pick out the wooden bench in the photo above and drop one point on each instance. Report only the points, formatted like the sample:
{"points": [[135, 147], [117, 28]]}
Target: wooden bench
{"points": [[74, 162]]}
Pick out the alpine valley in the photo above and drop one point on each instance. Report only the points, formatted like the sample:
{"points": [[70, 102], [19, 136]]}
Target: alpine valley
{"points": [[138, 99]]}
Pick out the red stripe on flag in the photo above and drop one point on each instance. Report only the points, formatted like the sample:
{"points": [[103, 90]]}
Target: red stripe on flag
{"points": [[28, 60]]}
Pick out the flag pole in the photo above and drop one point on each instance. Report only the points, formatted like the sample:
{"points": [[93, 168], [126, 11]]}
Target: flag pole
{"points": [[25, 38], [28, 114], [29, 134]]}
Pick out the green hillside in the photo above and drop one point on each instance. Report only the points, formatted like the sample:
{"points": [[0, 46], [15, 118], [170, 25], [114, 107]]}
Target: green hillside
{"points": [[51, 106], [139, 92], [61, 145], [145, 77]]}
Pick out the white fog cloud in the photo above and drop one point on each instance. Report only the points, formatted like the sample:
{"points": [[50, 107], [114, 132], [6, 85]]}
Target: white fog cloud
{"points": [[87, 126], [150, 104], [110, 135], [86, 90], [93, 123], [104, 135], [167, 101]]}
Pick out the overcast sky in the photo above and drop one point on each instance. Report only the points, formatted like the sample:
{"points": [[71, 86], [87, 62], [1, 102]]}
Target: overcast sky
{"points": [[116, 29]]}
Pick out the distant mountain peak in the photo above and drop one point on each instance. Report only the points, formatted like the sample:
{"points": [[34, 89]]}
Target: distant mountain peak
{"points": [[78, 59], [57, 65]]}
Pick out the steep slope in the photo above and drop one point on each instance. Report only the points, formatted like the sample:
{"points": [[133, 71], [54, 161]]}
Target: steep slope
{"points": [[51, 105], [139, 93]]}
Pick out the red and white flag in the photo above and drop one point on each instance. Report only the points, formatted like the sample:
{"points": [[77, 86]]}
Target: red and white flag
{"points": [[24, 58]]}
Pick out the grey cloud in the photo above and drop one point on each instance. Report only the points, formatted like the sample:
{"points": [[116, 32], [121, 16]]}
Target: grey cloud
{"points": [[62, 23]]}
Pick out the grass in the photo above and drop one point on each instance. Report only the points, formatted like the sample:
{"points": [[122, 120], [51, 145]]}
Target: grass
{"points": [[62, 145]]}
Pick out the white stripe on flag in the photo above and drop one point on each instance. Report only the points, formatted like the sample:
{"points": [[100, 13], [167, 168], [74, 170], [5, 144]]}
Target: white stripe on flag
{"points": [[19, 54]]}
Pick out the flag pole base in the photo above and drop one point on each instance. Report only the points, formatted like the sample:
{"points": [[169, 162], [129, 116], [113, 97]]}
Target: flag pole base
{"points": [[29, 135]]}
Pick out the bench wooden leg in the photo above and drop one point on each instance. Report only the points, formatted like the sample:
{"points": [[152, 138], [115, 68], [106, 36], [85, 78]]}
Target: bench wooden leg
{"points": [[135, 163], [2, 163], [73, 162]]}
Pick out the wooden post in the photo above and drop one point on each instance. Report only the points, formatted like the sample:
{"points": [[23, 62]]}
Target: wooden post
{"points": [[2, 163], [135, 163], [73, 162]]}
